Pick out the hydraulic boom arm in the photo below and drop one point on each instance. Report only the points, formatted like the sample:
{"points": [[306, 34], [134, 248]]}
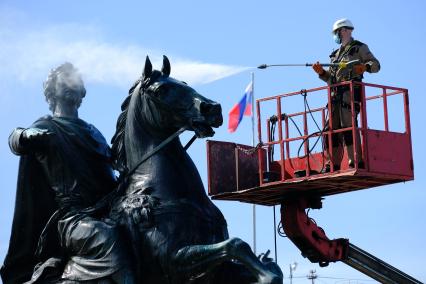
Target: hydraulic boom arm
{"points": [[317, 247], [375, 268]]}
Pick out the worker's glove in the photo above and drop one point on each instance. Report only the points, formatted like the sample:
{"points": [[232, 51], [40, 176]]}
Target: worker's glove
{"points": [[318, 68], [359, 69]]}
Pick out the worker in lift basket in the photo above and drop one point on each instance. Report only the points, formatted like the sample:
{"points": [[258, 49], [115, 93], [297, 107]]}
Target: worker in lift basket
{"points": [[341, 114]]}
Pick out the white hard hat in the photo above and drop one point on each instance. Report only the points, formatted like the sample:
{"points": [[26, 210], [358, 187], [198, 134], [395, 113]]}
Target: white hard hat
{"points": [[342, 23]]}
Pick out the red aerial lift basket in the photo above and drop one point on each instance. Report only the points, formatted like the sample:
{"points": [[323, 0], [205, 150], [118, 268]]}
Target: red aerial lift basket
{"points": [[273, 172]]}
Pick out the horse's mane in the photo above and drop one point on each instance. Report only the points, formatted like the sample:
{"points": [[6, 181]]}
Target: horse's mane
{"points": [[119, 158]]}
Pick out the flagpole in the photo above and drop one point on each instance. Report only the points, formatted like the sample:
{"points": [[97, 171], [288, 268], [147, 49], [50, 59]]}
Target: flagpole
{"points": [[253, 144], [252, 113]]}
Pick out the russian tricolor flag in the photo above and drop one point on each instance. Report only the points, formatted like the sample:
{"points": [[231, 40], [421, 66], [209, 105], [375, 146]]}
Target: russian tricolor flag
{"points": [[240, 109]]}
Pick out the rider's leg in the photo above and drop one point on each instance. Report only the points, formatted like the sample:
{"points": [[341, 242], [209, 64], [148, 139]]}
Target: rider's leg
{"points": [[96, 250]]}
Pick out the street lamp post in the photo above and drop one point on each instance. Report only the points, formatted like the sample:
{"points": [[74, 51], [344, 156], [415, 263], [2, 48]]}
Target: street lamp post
{"points": [[292, 268], [312, 276]]}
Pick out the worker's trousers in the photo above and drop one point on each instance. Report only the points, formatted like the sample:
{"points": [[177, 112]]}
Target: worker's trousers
{"points": [[341, 117]]}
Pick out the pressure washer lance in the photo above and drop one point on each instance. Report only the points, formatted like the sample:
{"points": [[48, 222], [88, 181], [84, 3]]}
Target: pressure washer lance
{"points": [[342, 64]]}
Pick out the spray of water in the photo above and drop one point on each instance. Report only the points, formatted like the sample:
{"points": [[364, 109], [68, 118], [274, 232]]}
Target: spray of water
{"points": [[27, 54]]}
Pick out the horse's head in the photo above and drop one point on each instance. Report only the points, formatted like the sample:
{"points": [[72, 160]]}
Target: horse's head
{"points": [[170, 104]]}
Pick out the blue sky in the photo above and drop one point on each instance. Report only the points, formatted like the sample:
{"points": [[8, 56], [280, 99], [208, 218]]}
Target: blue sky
{"points": [[212, 46]]}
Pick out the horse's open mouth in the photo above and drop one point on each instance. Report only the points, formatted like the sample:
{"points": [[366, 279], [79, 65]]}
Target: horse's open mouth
{"points": [[202, 130]]}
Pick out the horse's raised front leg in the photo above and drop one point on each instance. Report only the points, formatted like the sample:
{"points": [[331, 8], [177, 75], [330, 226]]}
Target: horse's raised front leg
{"points": [[197, 260]]}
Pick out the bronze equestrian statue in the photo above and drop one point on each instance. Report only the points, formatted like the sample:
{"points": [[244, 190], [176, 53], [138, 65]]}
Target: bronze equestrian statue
{"points": [[156, 226]]}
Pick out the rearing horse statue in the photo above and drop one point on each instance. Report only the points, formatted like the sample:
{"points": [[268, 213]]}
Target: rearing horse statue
{"points": [[177, 234]]}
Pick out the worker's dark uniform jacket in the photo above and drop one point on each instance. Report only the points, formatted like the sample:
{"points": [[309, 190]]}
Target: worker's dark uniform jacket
{"points": [[58, 180], [354, 50]]}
